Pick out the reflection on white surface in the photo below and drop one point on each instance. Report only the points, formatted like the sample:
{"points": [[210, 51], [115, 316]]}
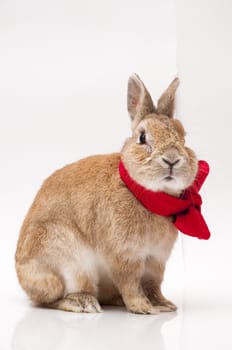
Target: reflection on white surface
{"points": [[203, 323], [113, 329]]}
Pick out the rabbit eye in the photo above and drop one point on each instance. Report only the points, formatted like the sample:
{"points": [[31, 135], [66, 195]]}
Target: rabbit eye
{"points": [[142, 138]]}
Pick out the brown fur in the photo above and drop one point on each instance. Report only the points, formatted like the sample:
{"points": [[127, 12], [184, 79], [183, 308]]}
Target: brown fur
{"points": [[86, 239]]}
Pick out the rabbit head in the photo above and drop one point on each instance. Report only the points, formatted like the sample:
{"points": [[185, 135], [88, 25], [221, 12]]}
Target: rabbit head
{"points": [[155, 155]]}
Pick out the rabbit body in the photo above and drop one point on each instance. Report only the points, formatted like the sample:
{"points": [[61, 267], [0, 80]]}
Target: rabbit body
{"points": [[84, 229], [87, 240]]}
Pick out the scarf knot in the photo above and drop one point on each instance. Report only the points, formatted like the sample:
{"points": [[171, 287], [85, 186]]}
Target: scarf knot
{"points": [[185, 210]]}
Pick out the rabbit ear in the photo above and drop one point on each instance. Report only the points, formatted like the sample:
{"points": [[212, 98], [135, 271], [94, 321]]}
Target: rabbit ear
{"points": [[166, 102], [139, 101]]}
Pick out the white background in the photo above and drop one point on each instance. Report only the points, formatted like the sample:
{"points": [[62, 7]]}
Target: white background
{"points": [[64, 67], [204, 56]]}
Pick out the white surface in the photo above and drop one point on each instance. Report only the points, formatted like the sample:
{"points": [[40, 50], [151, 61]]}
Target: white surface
{"points": [[202, 322], [113, 329], [63, 72]]}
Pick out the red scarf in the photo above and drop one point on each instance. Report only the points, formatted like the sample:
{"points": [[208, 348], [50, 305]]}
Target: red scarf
{"points": [[186, 209]]}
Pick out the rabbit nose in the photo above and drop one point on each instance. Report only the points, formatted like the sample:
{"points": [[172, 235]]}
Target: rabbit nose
{"points": [[170, 163]]}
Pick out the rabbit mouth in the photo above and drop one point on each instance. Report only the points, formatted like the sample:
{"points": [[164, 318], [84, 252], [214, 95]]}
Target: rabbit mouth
{"points": [[169, 178]]}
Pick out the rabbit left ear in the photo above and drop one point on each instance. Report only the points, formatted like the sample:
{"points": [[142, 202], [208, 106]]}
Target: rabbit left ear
{"points": [[139, 101], [166, 102]]}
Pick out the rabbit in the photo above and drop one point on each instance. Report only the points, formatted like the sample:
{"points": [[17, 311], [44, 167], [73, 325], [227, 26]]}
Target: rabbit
{"points": [[87, 241]]}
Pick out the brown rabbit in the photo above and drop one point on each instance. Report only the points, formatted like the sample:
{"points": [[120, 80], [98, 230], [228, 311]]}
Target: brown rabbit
{"points": [[87, 240]]}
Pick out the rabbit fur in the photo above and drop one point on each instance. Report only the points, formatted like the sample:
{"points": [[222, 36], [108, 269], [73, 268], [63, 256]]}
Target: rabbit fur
{"points": [[87, 241]]}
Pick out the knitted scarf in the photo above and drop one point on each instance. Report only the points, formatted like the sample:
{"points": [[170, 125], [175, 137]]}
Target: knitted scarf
{"points": [[185, 210]]}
